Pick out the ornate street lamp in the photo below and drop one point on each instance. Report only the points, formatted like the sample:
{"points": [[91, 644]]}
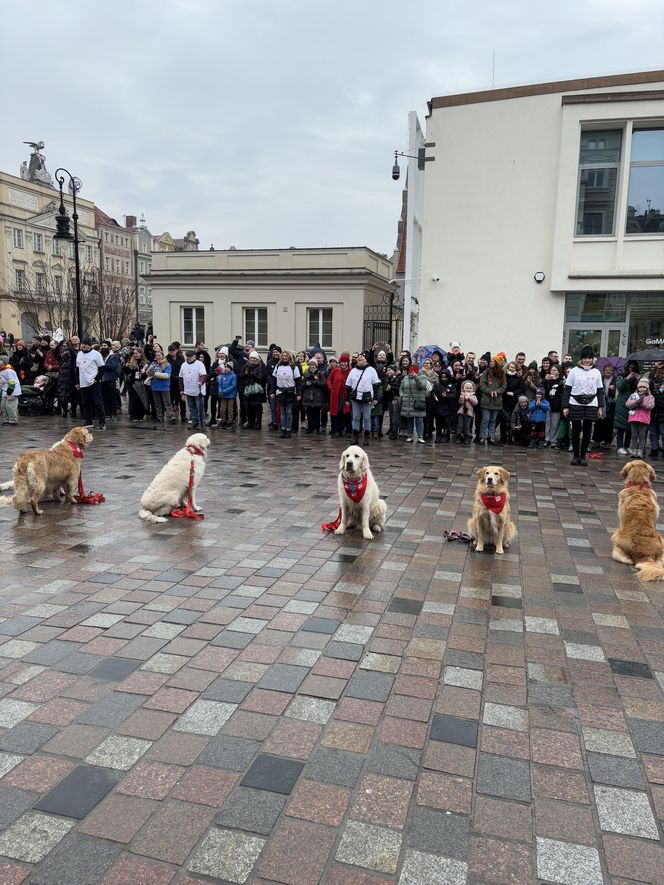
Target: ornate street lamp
{"points": [[63, 233]]}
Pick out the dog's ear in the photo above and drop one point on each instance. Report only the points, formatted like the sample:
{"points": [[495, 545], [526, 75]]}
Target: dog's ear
{"points": [[504, 474], [625, 471], [342, 459], [651, 473], [364, 461], [481, 472]]}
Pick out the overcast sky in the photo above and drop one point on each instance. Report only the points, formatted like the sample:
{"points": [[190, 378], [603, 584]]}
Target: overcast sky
{"points": [[271, 123]]}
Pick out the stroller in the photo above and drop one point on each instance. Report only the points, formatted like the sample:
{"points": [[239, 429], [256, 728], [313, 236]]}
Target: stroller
{"points": [[39, 399]]}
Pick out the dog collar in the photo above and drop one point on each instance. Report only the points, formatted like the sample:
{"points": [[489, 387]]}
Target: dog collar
{"points": [[76, 449], [494, 503], [638, 485], [194, 450], [355, 489]]}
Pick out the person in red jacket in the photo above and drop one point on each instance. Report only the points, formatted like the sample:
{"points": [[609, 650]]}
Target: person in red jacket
{"points": [[336, 383]]}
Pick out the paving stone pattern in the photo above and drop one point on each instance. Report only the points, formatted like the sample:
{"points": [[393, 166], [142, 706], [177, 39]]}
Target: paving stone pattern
{"points": [[245, 699]]}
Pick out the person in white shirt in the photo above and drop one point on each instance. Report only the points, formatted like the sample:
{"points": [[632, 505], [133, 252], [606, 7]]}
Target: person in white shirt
{"points": [[193, 376], [583, 403], [88, 363], [10, 390], [361, 386]]}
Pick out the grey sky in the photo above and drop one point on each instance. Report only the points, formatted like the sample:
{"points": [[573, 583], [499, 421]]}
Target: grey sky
{"points": [[271, 123]]}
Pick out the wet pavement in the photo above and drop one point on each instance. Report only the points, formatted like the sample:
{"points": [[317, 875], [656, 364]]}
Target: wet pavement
{"points": [[244, 699]]}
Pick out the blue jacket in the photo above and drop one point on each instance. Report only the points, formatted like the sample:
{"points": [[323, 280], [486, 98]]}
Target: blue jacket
{"points": [[538, 413], [227, 383], [162, 385], [111, 368]]}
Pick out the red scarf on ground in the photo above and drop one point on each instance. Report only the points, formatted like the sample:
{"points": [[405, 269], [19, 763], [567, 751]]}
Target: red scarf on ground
{"points": [[494, 503]]}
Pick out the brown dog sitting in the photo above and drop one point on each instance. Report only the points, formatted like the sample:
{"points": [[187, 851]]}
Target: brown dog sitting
{"points": [[40, 471], [637, 542], [491, 521]]}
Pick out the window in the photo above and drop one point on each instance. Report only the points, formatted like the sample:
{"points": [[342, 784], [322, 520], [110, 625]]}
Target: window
{"points": [[646, 321], [106, 236], [320, 326], [255, 325], [40, 283], [37, 243], [126, 267], [117, 265], [599, 159], [18, 238], [595, 308], [107, 264], [645, 200], [141, 266], [57, 285], [193, 325], [88, 254], [56, 247], [72, 251], [20, 280]]}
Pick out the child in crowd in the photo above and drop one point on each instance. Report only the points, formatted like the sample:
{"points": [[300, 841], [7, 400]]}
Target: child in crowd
{"points": [[521, 422], [10, 390], [639, 405], [227, 393], [539, 409], [466, 412]]}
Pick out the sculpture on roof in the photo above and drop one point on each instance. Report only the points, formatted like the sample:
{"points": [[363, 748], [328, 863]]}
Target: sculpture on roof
{"points": [[35, 169]]}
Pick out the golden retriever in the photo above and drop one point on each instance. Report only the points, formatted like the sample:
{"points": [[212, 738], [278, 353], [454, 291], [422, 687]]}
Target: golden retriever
{"points": [[637, 542], [47, 470], [491, 520], [170, 487], [359, 496]]}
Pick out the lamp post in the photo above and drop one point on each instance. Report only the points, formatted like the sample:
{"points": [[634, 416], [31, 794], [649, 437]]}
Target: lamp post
{"points": [[63, 233]]}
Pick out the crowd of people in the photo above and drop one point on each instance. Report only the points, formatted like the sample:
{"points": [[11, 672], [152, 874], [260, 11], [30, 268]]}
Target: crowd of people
{"points": [[442, 398]]}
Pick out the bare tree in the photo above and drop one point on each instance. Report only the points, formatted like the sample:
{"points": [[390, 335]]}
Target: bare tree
{"points": [[113, 306]]}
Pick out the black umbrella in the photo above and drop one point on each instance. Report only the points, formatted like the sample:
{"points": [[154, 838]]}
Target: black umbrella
{"points": [[655, 355]]}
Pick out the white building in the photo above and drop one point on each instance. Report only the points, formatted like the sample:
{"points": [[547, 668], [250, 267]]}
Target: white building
{"points": [[291, 297], [543, 217]]}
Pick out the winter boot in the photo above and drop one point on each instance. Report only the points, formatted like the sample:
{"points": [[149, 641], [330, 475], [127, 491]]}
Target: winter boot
{"points": [[356, 434], [367, 436]]}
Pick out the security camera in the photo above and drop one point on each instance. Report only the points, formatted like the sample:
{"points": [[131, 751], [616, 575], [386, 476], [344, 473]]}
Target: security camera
{"points": [[435, 279], [396, 172]]}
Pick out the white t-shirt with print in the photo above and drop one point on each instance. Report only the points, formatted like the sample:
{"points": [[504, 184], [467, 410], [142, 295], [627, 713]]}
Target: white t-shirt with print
{"points": [[88, 364], [190, 373]]}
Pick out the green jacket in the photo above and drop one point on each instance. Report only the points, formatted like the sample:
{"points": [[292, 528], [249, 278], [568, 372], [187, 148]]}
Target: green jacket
{"points": [[624, 388], [413, 393], [486, 400]]}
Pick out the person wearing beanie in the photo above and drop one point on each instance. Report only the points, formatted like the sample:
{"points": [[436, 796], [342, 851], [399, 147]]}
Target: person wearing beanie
{"points": [[251, 387], [520, 422], [287, 389], [454, 353], [492, 388], [88, 364], [625, 387], [314, 390], [339, 407], [272, 360], [639, 405], [583, 403], [539, 409]]}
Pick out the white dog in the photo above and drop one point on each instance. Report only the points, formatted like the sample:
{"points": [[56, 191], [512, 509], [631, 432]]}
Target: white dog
{"points": [[170, 487], [359, 496]]}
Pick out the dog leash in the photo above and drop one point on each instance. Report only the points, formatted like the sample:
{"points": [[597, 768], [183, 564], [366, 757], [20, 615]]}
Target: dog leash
{"points": [[457, 536], [188, 512], [84, 497]]}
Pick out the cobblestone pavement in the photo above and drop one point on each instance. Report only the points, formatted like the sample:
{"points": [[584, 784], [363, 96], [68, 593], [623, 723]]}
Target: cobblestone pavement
{"points": [[246, 700]]}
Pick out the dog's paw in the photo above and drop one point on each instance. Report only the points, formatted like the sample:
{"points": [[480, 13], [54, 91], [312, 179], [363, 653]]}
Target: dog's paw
{"points": [[479, 548], [499, 550], [366, 534], [377, 528], [39, 512], [340, 531], [197, 509]]}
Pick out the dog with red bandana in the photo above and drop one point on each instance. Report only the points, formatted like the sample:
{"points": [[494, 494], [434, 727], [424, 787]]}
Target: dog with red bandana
{"points": [[491, 521], [359, 495]]}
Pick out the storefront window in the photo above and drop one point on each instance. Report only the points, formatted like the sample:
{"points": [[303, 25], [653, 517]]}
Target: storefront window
{"points": [[595, 308], [646, 321]]}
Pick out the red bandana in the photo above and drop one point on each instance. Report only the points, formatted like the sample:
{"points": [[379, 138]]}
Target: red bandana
{"points": [[494, 503], [194, 450], [76, 449], [354, 489], [638, 485]]}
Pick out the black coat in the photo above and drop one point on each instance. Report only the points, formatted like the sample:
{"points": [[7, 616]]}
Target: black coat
{"points": [[68, 373], [515, 385]]}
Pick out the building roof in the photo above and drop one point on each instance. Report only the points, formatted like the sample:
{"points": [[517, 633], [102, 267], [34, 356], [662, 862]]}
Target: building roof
{"points": [[102, 218], [464, 98]]}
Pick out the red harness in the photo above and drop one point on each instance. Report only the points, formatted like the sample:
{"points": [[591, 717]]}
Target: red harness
{"points": [[494, 503], [638, 485], [355, 490], [187, 511], [82, 497]]}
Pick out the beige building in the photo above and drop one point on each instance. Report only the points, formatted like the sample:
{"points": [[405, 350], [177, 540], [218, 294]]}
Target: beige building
{"points": [[36, 271], [293, 297]]}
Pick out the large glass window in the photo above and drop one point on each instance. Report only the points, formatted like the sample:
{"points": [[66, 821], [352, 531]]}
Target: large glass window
{"points": [[255, 325], [193, 325], [599, 159], [320, 326], [646, 321], [595, 307], [645, 200]]}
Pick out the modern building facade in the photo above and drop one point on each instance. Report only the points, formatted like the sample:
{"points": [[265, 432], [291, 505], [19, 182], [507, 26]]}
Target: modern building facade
{"points": [[543, 217], [293, 297]]}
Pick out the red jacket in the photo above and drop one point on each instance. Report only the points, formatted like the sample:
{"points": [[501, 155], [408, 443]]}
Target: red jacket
{"points": [[336, 384]]}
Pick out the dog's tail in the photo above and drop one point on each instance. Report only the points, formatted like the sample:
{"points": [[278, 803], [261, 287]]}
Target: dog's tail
{"points": [[6, 501], [4, 486], [648, 570], [149, 516]]}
